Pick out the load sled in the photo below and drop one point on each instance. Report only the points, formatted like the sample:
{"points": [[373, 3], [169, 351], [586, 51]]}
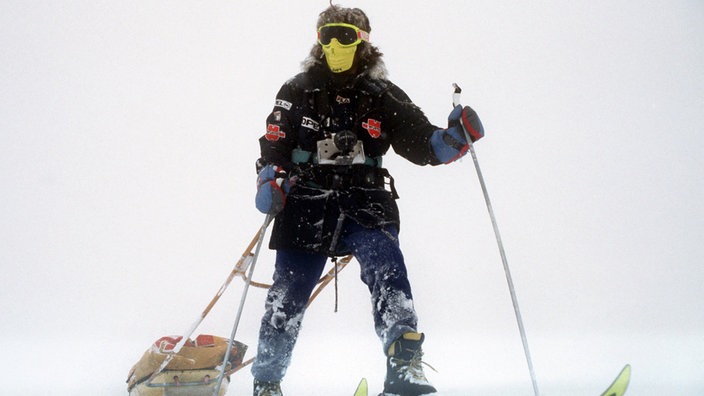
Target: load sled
{"points": [[192, 371], [181, 366]]}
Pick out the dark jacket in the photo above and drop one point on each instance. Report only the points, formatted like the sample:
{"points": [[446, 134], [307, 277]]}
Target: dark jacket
{"points": [[317, 105]]}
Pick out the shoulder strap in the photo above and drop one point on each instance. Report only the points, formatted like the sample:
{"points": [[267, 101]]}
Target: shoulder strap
{"points": [[374, 87]]}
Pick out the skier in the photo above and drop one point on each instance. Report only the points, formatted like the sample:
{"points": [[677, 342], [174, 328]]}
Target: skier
{"points": [[321, 175]]}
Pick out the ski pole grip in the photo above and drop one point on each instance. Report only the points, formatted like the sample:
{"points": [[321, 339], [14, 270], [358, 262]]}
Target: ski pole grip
{"points": [[456, 95], [471, 125]]}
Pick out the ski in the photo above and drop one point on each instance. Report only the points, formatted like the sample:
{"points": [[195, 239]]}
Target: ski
{"points": [[362, 388], [617, 388]]}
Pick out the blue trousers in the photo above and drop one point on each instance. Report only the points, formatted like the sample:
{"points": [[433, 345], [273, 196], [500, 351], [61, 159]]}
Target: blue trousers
{"points": [[297, 272]]}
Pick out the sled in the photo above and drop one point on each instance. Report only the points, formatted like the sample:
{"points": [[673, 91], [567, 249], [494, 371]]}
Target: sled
{"points": [[192, 371], [180, 366]]}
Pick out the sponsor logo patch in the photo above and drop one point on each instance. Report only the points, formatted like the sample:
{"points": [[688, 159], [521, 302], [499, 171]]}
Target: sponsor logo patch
{"points": [[283, 104], [342, 100], [277, 116], [373, 127], [310, 123], [274, 133]]}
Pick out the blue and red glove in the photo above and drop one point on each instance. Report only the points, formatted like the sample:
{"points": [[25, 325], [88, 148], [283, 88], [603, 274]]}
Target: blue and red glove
{"points": [[450, 144], [272, 186]]}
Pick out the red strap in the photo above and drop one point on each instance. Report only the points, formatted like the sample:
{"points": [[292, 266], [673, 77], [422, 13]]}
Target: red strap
{"points": [[205, 340], [167, 343]]}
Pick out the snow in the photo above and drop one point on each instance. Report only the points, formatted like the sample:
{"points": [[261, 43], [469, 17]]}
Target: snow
{"points": [[128, 135]]}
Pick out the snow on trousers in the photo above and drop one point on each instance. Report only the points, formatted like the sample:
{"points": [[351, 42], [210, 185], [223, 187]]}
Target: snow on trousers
{"points": [[382, 269]]}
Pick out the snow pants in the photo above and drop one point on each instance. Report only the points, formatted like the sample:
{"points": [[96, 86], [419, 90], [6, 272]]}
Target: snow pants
{"points": [[297, 272]]}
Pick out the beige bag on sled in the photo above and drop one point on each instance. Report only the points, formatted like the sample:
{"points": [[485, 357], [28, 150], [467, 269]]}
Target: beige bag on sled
{"points": [[193, 371]]}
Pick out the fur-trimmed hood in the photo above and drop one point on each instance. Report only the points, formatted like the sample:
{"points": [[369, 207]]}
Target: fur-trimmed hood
{"points": [[369, 58]]}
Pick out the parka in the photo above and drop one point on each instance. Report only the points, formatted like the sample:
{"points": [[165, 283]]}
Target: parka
{"points": [[330, 133]]}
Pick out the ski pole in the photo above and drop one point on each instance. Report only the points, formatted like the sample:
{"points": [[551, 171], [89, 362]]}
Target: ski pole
{"points": [[247, 282], [507, 271]]}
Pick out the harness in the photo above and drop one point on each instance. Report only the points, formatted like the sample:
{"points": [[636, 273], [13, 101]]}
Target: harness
{"points": [[343, 177], [339, 143]]}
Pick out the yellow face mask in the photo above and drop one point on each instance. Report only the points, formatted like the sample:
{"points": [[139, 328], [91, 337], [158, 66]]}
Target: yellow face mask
{"points": [[339, 42], [339, 58]]}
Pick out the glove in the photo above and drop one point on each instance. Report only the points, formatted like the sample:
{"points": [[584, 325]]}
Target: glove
{"points": [[272, 186], [450, 144]]}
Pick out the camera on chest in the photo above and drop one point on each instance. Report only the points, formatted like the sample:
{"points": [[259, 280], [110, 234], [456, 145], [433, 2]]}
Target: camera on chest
{"points": [[341, 148]]}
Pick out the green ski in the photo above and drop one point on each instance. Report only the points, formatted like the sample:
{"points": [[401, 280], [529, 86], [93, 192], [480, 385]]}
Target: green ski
{"points": [[618, 387], [362, 388]]}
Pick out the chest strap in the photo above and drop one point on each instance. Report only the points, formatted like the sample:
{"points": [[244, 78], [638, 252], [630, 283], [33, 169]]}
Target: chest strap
{"points": [[342, 177]]}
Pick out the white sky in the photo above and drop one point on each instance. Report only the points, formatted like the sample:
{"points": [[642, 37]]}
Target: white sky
{"points": [[128, 134]]}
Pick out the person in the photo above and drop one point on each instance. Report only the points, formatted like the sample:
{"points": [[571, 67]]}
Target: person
{"points": [[320, 174]]}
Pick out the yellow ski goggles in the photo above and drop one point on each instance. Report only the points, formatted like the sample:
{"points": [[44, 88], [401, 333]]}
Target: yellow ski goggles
{"points": [[347, 35]]}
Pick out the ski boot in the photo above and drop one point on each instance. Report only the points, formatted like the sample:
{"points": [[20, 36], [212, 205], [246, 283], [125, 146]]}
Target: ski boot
{"points": [[265, 388], [404, 369]]}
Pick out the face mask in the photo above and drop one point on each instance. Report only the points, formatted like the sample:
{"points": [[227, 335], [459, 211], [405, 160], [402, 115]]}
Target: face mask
{"points": [[339, 42], [339, 58]]}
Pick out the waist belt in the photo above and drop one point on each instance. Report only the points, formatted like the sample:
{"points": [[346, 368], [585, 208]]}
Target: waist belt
{"points": [[337, 177]]}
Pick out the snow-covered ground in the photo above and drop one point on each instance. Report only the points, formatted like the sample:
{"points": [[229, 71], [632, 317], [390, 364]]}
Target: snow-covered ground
{"points": [[128, 135]]}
